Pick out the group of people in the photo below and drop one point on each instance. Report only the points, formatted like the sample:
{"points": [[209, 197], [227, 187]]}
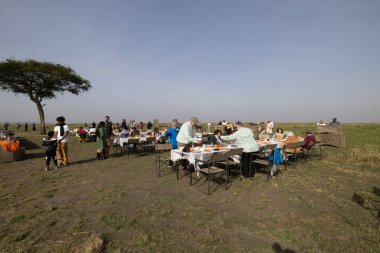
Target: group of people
{"points": [[179, 137], [56, 145]]}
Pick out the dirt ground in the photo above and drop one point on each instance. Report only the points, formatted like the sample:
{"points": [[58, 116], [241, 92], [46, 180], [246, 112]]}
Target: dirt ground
{"points": [[120, 205]]}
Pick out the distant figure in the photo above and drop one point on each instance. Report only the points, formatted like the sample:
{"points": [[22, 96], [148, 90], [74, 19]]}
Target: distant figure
{"points": [[124, 124], [270, 126], [6, 126], [85, 125], [34, 127], [334, 123], [321, 123], [50, 144], [107, 134], [26, 127], [101, 142], [150, 125], [18, 126], [208, 127]]}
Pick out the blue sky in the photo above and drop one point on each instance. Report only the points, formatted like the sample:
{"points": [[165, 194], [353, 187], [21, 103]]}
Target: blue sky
{"points": [[292, 61]]}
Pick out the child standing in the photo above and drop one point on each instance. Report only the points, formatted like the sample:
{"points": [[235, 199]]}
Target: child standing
{"points": [[50, 150]]}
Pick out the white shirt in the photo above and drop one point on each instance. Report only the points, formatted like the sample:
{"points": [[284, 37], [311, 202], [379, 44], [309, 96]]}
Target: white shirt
{"points": [[66, 131], [270, 127], [186, 134], [244, 139]]}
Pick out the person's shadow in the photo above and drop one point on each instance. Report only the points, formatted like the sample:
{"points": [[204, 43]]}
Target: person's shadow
{"points": [[373, 204], [83, 161], [278, 249]]}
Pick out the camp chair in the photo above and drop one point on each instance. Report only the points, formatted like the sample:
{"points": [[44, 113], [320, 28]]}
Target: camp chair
{"points": [[161, 157], [232, 163], [211, 170], [308, 153], [130, 146], [262, 159], [292, 151], [149, 143], [116, 147], [320, 149]]}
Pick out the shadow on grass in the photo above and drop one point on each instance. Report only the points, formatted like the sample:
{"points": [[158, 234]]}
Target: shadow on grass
{"points": [[278, 249], [83, 161], [34, 155], [361, 201], [28, 144]]}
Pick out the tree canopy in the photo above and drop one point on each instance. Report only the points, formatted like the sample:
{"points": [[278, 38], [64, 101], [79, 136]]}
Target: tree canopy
{"points": [[40, 80]]}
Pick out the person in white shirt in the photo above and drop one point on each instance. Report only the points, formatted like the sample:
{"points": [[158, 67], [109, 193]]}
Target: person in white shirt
{"points": [[186, 134], [244, 139], [61, 133], [270, 126]]}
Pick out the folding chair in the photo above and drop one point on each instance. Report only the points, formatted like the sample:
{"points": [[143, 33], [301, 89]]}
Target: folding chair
{"points": [[211, 170], [233, 164], [293, 151], [130, 146], [161, 157], [262, 158], [149, 143], [116, 147]]}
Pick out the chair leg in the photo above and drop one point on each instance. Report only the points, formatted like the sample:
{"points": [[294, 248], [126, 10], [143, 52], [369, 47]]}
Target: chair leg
{"points": [[208, 183], [177, 169]]}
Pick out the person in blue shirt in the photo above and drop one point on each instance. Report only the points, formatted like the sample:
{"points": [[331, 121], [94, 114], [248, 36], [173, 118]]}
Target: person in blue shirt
{"points": [[171, 133]]}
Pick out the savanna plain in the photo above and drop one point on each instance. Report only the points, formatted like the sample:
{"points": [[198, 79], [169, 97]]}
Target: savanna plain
{"points": [[120, 204]]}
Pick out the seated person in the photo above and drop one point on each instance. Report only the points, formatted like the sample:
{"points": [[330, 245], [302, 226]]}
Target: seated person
{"points": [[309, 140], [279, 133], [156, 132], [134, 132], [263, 135], [125, 132], [334, 123], [215, 138]]}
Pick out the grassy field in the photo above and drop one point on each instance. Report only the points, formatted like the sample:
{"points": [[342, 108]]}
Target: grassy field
{"points": [[120, 205]]}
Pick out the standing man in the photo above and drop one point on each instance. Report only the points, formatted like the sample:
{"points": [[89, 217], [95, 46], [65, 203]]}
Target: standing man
{"points": [[6, 126], [107, 134], [61, 133], [186, 134], [34, 127], [244, 139]]}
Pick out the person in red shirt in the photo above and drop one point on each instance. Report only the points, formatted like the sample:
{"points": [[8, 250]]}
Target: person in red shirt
{"points": [[309, 140]]}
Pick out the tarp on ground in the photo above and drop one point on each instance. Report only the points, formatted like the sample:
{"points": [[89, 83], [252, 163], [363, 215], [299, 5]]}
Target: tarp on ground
{"points": [[332, 136]]}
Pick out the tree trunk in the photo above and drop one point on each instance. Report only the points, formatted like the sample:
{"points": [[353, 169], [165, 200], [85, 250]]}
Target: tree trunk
{"points": [[42, 117]]}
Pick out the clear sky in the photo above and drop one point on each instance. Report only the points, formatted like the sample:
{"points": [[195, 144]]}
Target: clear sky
{"points": [[291, 61]]}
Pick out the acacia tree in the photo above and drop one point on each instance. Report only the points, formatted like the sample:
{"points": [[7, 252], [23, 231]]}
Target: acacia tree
{"points": [[40, 80]]}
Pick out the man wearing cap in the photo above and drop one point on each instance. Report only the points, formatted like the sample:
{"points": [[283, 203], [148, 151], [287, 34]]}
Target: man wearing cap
{"points": [[186, 134]]}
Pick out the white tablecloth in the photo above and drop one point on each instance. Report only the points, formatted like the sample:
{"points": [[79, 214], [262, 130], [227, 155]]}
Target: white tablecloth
{"points": [[177, 154]]}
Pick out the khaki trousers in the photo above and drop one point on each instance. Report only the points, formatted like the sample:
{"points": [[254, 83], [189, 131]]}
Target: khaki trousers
{"points": [[62, 152]]}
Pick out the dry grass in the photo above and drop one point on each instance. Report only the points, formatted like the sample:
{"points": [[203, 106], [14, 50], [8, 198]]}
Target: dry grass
{"points": [[94, 244], [369, 154], [120, 205]]}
